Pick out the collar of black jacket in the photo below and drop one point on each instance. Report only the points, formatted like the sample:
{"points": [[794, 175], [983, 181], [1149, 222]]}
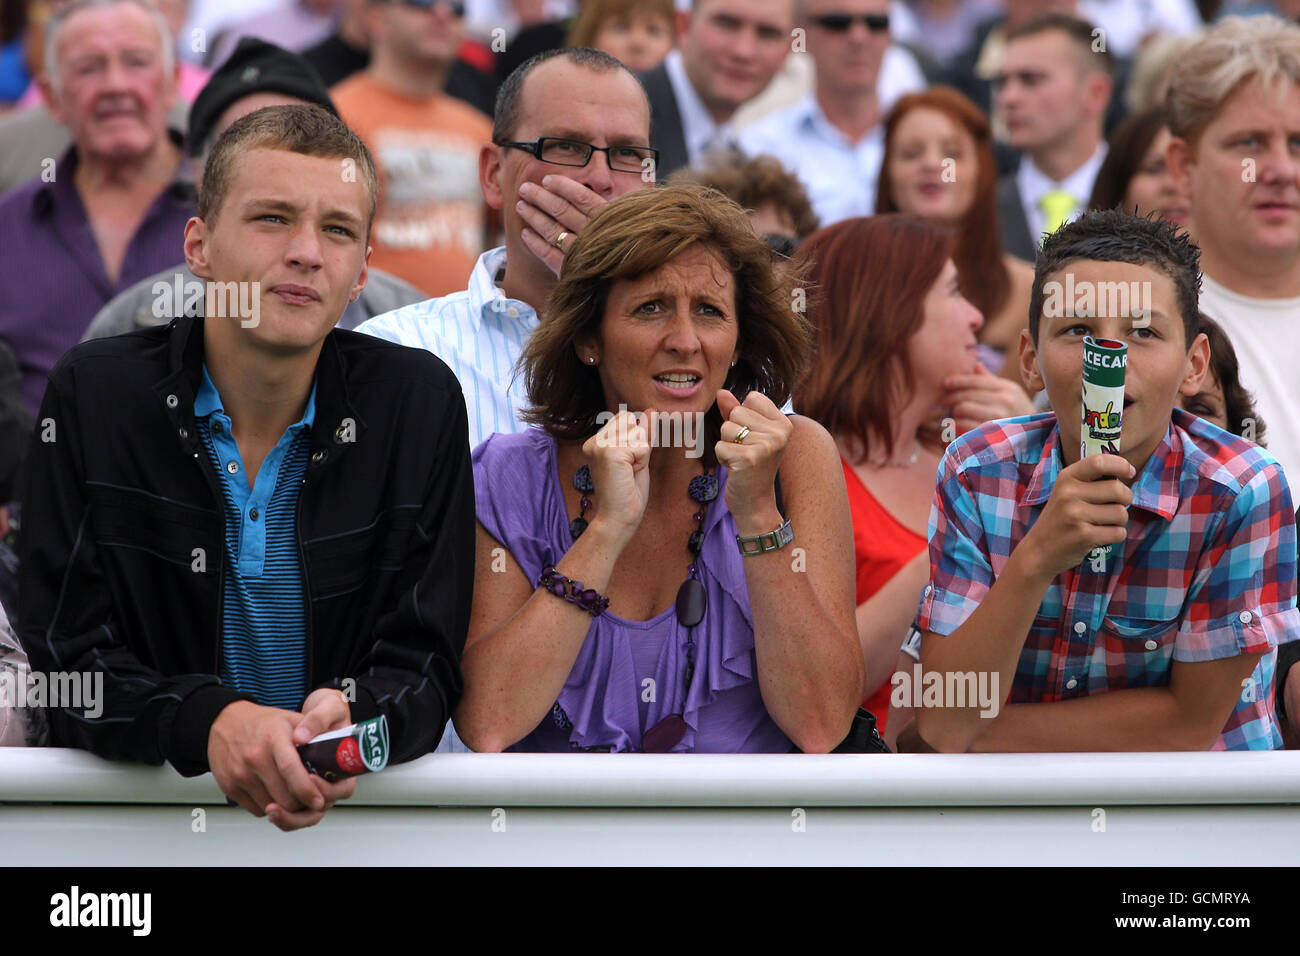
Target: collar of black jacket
{"points": [[337, 425]]}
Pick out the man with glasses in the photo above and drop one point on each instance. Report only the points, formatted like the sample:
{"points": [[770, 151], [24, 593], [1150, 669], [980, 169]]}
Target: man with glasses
{"points": [[833, 140], [571, 133], [729, 50], [432, 223]]}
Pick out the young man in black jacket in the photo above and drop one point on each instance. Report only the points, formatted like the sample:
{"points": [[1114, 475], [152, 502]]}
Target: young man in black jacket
{"points": [[257, 527]]}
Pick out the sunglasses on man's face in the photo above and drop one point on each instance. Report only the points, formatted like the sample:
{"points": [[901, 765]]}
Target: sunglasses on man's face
{"points": [[841, 22], [457, 8]]}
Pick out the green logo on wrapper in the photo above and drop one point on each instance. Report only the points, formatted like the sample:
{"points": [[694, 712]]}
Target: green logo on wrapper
{"points": [[374, 743], [1104, 362]]}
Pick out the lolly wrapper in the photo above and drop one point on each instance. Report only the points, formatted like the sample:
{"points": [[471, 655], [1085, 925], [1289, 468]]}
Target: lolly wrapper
{"points": [[349, 751], [1105, 362]]}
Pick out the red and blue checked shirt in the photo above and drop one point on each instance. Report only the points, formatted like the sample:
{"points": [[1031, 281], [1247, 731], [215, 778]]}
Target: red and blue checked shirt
{"points": [[1208, 570]]}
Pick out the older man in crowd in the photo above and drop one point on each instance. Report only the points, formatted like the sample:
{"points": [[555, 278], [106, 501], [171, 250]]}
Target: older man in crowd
{"points": [[729, 50], [588, 103], [111, 210], [30, 134], [1234, 112], [257, 75], [833, 140]]}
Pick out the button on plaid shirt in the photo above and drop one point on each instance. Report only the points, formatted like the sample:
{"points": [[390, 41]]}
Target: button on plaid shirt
{"points": [[1208, 570]]}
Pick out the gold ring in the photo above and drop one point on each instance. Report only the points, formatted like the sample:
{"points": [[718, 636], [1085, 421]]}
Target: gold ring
{"points": [[559, 240], [741, 435]]}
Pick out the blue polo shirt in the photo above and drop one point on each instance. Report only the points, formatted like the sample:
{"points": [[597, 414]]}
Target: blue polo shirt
{"points": [[263, 649]]}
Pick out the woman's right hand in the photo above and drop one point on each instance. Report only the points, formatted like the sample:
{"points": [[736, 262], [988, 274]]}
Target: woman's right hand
{"points": [[620, 470]]}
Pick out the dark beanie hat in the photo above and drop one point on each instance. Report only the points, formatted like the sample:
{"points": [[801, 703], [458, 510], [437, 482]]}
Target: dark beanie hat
{"points": [[255, 67]]}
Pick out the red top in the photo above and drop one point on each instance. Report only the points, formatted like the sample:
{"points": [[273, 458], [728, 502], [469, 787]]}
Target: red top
{"points": [[882, 546]]}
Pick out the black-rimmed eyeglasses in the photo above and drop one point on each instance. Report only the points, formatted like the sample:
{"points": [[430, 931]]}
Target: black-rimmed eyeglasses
{"points": [[841, 22], [569, 152]]}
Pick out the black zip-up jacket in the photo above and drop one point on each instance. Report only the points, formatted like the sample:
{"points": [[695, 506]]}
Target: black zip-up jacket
{"points": [[122, 543]]}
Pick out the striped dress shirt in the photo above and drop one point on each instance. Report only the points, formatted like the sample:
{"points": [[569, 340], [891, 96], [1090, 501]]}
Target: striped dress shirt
{"points": [[480, 334]]}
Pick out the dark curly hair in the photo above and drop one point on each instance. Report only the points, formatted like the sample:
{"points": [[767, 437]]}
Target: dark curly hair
{"points": [[1110, 235], [1238, 404], [754, 182]]}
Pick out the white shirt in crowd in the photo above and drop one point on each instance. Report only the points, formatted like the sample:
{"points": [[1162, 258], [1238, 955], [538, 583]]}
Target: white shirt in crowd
{"points": [[211, 17], [1262, 332], [839, 175], [899, 74], [480, 334], [1127, 22], [1033, 184]]}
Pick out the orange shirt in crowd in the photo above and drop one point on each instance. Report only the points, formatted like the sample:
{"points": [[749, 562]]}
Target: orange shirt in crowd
{"points": [[431, 223], [882, 546]]}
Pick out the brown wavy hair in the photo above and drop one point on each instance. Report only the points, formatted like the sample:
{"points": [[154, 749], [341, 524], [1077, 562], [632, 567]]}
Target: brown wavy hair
{"points": [[985, 279], [756, 181], [635, 235], [871, 278], [1238, 404]]}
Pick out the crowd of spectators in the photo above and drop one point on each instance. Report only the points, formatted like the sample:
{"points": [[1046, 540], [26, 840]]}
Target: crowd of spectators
{"points": [[500, 249]]}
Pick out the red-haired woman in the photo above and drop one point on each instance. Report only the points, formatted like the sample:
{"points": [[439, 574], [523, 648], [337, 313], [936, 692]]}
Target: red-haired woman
{"points": [[938, 166], [891, 327]]}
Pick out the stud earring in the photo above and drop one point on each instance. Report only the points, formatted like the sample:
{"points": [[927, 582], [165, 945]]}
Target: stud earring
{"points": [[591, 360]]}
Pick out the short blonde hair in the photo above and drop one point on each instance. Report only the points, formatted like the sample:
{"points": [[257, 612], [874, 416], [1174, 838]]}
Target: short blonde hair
{"points": [[631, 237], [1263, 48], [1148, 80], [307, 129]]}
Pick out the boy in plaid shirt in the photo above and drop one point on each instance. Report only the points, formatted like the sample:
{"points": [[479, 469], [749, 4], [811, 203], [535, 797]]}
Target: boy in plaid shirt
{"points": [[1170, 642]]}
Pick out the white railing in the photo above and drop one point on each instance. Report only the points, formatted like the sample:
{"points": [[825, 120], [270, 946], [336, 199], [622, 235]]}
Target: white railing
{"points": [[60, 806]]}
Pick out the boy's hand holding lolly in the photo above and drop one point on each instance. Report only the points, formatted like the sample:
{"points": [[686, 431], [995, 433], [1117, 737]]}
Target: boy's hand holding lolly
{"points": [[1085, 512]]}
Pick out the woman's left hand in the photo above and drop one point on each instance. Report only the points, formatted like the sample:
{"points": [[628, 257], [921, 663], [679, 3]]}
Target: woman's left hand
{"points": [[983, 397], [752, 464]]}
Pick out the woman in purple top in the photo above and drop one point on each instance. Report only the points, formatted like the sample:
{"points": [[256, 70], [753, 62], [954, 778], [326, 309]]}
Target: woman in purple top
{"points": [[613, 607]]}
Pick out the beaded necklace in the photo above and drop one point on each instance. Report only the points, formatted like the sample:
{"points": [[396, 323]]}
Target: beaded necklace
{"points": [[692, 599]]}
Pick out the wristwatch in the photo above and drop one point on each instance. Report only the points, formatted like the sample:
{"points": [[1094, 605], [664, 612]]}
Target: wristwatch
{"points": [[770, 541]]}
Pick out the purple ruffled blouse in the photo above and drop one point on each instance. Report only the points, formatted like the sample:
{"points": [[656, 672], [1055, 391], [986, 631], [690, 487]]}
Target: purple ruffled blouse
{"points": [[622, 663]]}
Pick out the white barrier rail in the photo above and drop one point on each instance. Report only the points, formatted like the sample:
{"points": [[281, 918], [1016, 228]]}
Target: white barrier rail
{"points": [[60, 806], [701, 780]]}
